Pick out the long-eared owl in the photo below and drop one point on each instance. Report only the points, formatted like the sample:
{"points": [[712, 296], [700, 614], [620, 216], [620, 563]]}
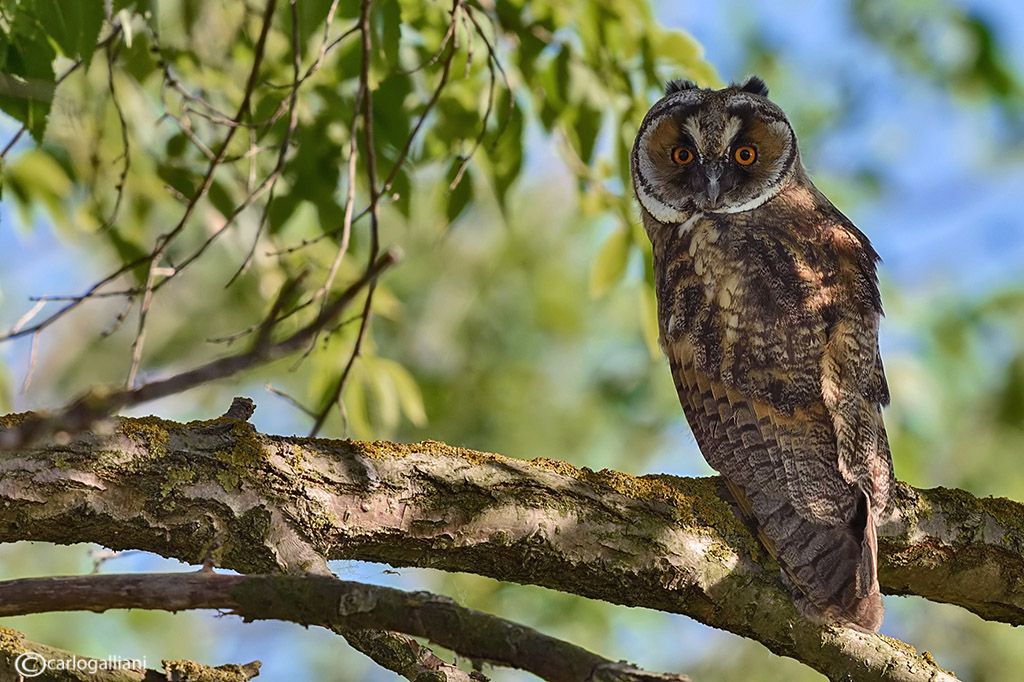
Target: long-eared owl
{"points": [[768, 309]]}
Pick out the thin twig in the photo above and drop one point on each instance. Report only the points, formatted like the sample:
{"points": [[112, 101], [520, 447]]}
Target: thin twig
{"points": [[294, 403]]}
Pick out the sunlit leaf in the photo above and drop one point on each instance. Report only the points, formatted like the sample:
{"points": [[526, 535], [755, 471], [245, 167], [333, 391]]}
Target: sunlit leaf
{"points": [[35, 176], [357, 421], [409, 396], [73, 26], [28, 81], [386, 402]]}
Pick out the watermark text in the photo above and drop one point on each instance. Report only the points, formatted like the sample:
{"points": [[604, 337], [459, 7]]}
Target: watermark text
{"points": [[31, 664]]}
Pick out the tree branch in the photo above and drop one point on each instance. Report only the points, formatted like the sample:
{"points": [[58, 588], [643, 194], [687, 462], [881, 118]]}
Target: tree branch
{"points": [[259, 504], [339, 605]]}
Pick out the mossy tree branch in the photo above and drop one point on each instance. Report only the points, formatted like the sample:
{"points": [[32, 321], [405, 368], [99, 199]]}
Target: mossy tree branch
{"points": [[260, 504]]}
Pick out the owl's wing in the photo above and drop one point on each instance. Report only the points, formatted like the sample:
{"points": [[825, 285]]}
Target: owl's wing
{"points": [[853, 382], [783, 471], [854, 390]]}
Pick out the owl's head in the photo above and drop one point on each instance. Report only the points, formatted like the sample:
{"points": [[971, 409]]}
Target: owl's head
{"points": [[712, 151]]}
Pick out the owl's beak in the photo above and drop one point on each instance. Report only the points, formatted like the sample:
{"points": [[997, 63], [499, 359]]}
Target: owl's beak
{"points": [[713, 188]]}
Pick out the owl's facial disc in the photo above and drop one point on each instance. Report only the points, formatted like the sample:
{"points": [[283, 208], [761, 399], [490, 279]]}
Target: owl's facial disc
{"points": [[711, 151], [652, 176]]}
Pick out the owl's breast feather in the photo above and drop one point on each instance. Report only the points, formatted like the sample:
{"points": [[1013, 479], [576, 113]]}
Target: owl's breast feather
{"points": [[743, 304]]}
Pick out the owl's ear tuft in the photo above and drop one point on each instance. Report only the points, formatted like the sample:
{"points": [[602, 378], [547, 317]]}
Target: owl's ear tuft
{"points": [[678, 85], [754, 85]]}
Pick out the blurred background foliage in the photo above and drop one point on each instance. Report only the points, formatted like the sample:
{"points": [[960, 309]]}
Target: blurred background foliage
{"points": [[520, 319]]}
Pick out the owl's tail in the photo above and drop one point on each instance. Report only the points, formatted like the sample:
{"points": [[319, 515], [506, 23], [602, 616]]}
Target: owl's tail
{"points": [[830, 569]]}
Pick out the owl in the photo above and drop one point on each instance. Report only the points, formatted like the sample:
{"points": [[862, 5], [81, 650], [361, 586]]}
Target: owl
{"points": [[768, 310]]}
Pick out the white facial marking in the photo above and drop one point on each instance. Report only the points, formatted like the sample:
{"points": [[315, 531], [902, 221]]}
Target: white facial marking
{"points": [[658, 209], [747, 205], [732, 128], [693, 130]]}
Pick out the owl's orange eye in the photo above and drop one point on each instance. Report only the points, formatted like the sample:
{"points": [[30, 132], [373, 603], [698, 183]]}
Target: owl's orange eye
{"points": [[682, 155], [745, 155]]}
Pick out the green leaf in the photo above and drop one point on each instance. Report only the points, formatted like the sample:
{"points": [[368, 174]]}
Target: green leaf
{"points": [[137, 58], [27, 86], [587, 126], [409, 396], [1010, 406], [176, 145], [386, 17], [312, 17], [129, 251], [221, 199], [391, 28], [183, 181], [281, 210], [530, 51], [74, 25], [555, 81], [5, 389], [610, 264], [458, 196], [506, 155], [354, 400], [5, 44], [391, 121], [679, 47], [37, 176], [384, 393]]}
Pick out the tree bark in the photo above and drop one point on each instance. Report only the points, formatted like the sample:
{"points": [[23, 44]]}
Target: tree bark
{"points": [[258, 504], [343, 606]]}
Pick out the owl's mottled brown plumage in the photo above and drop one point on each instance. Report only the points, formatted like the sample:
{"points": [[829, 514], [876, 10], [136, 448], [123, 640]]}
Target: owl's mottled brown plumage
{"points": [[768, 307]]}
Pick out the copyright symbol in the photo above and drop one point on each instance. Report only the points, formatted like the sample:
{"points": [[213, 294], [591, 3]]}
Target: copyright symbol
{"points": [[30, 664]]}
